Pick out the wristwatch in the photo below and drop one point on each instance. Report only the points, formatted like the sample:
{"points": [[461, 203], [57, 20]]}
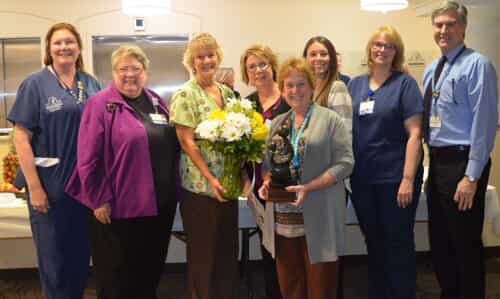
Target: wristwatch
{"points": [[471, 179]]}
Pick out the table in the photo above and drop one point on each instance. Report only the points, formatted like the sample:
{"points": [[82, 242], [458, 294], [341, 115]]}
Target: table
{"points": [[17, 249]]}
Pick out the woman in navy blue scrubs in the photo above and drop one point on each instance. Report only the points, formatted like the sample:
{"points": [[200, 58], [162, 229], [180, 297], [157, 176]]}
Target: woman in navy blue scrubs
{"points": [[387, 176], [46, 117]]}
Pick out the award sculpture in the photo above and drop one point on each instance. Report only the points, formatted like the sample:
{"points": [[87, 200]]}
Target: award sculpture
{"points": [[281, 154]]}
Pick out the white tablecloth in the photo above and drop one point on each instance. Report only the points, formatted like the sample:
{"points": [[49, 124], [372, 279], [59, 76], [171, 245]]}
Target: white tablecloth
{"points": [[17, 250], [14, 216]]}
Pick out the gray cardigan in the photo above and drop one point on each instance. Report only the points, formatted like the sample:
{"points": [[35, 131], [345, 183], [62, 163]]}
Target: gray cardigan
{"points": [[327, 148]]}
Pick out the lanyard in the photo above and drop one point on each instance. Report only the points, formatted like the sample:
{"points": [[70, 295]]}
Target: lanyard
{"points": [[77, 97], [156, 103], [436, 91], [295, 139]]}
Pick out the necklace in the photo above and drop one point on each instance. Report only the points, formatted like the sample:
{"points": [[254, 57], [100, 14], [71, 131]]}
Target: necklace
{"points": [[77, 96]]}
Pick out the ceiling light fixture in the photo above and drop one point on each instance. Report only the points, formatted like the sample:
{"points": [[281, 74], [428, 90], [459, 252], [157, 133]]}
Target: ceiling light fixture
{"points": [[145, 8], [383, 5]]}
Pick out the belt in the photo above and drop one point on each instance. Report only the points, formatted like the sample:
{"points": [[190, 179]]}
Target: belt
{"points": [[450, 149], [289, 218], [450, 152]]}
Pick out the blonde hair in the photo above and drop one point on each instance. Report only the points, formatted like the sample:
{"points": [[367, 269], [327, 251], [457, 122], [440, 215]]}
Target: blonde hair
{"points": [[132, 51], [263, 52], [201, 40], [297, 64], [393, 37]]}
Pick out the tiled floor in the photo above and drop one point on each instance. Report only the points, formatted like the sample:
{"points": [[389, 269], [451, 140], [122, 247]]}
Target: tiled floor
{"points": [[24, 284]]}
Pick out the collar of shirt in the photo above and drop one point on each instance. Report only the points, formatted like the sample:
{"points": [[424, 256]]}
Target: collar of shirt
{"points": [[452, 54], [117, 98]]}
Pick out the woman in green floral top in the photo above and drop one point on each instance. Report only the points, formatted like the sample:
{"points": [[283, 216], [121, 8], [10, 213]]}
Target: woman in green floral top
{"points": [[210, 222]]}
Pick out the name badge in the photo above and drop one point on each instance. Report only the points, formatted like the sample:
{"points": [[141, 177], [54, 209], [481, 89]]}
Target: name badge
{"points": [[435, 121], [366, 107], [158, 119]]}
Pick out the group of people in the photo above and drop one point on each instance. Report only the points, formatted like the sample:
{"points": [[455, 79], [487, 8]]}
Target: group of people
{"points": [[105, 168]]}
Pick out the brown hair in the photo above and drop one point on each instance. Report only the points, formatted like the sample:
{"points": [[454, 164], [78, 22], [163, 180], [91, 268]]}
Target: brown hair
{"points": [[445, 6], [333, 75], [263, 52], [390, 33], [47, 60], [297, 64]]}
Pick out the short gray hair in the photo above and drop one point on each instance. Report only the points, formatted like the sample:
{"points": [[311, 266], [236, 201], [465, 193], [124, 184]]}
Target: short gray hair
{"points": [[132, 51], [445, 6]]}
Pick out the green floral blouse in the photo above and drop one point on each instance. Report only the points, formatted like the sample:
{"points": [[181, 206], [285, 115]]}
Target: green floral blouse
{"points": [[190, 106]]}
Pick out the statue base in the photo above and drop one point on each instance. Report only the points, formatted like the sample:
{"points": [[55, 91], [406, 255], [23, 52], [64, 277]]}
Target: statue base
{"points": [[278, 194]]}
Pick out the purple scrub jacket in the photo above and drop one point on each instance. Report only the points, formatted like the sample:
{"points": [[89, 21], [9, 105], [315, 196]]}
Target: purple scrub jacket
{"points": [[113, 158]]}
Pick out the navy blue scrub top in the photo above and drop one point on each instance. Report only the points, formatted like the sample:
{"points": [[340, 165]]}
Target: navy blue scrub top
{"points": [[379, 139], [53, 116]]}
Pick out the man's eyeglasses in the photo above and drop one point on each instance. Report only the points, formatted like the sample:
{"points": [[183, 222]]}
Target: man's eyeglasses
{"points": [[261, 66]]}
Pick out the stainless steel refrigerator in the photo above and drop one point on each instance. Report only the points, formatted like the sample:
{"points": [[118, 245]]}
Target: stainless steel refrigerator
{"points": [[19, 57]]}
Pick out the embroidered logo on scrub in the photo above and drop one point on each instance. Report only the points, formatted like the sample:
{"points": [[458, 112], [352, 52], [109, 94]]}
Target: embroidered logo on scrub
{"points": [[53, 104]]}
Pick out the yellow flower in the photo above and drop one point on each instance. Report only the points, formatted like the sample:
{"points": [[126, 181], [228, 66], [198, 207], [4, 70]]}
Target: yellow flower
{"points": [[257, 120], [217, 114], [257, 117], [259, 132]]}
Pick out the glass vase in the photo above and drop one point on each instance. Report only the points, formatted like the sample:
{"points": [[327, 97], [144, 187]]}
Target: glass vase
{"points": [[231, 177]]}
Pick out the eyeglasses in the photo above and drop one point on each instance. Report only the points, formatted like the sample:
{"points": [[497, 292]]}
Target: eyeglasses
{"points": [[381, 46], [132, 69], [261, 66]]}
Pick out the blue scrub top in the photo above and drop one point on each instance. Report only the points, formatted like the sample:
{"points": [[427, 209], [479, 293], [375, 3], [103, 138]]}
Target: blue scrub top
{"points": [[379, 139], [53, 116]]}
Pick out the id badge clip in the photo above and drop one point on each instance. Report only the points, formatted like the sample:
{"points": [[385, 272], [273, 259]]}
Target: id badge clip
{"points": [[158, 119], [366, 107], [435, 121]]}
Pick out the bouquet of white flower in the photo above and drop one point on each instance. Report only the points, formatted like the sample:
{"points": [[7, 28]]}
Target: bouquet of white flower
{"points": [[239, 134]]}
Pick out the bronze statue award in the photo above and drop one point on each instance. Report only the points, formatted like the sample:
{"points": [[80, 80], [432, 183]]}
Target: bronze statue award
{"points": [[281, 154]]}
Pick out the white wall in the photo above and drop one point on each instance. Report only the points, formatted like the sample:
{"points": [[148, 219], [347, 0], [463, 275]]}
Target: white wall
{"points": [[285, 25]]}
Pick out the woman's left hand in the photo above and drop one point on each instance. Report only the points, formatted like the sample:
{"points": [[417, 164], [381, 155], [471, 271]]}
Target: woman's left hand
{"points": [[405, 193], [103, 213], [300, 193]]}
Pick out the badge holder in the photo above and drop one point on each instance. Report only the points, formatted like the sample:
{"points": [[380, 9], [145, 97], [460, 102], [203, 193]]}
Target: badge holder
{"points": [[435, 119], [367, 106]]}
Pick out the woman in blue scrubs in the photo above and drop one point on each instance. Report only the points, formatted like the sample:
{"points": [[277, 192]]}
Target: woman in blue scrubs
{"points": [[46, 117], [387, 176]]}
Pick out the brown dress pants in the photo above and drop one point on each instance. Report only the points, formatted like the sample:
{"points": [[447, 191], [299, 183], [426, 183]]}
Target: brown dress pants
{"points": [[298, 278], [212, 246]]}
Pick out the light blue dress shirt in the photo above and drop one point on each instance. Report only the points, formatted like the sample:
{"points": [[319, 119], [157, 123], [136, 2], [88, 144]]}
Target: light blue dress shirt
{"points": [[467, 105]]}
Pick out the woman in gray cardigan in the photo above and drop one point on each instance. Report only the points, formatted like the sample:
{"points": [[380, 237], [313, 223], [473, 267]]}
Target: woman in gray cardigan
{"points": [[306, 236]]}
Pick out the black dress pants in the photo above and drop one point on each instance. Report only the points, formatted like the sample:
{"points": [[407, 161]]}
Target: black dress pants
{"points": [[129, 254], [455, 236]]}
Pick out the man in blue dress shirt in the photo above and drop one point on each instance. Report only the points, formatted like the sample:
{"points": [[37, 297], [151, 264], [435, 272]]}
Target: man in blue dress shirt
{"points": [[461, 115]]}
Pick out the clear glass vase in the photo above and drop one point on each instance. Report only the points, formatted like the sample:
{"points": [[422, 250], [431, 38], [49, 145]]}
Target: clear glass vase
{"points": [[231, 177]]}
